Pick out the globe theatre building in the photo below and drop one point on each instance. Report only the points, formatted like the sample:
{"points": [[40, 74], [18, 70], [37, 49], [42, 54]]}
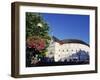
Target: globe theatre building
{"points": [[68, 50]]}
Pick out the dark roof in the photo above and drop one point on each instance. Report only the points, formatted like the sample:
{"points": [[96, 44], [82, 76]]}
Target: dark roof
{"points": [[69, 41], [55, 39]]}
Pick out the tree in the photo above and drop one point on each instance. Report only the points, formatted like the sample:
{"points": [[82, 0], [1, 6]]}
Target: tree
{"points": [[37, 34]]}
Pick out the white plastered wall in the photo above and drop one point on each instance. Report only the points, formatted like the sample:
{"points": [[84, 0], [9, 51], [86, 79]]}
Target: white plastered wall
{"points": [[65, 50]]}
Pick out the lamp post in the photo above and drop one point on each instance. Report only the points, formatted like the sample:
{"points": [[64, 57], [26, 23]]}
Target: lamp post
{"points": [[38, 28], [40, 25]]}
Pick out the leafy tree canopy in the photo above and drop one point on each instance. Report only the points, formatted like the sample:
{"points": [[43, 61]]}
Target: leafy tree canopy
{"points": [[37, 32]]}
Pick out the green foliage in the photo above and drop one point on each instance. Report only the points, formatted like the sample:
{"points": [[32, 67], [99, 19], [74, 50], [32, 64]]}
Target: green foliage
{"points": [[32, 28], [32, 20]]}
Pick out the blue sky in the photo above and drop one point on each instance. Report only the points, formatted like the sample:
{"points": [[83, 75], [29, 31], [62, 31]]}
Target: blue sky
{"points": [[68, 26]]}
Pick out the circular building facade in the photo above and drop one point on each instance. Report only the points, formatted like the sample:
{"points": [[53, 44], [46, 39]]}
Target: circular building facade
{"points": [[68, 50]]}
